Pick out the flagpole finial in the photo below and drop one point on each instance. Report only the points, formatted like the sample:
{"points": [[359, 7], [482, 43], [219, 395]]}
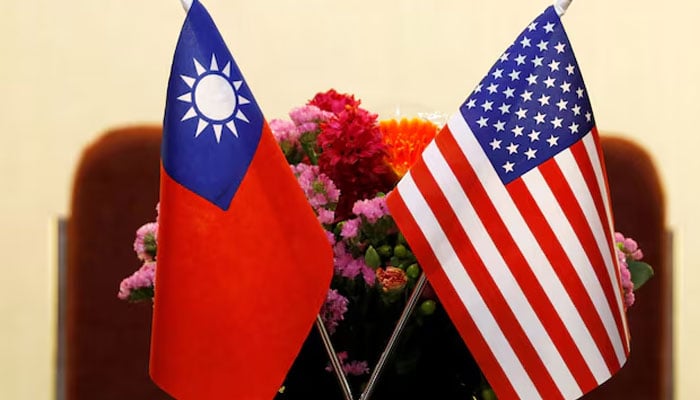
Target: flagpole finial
{"points": [[186, 4], [561, 5]]}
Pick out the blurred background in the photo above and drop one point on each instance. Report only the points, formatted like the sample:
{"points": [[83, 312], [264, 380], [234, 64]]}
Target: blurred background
{"points": [[71, 70]]}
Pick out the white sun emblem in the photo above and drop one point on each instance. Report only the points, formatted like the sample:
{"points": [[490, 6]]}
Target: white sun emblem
{"points": [[214, 98]]}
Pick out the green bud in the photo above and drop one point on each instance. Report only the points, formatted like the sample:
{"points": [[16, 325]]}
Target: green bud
{"points": [[400, 251], [428, 307], [384, 250], [401, 239], [488, 394], [372, 258], [339, 227], [413, 271]]}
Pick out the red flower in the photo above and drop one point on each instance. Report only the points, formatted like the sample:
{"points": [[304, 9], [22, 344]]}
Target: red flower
{"points": [[353, 155], [333, 101]]}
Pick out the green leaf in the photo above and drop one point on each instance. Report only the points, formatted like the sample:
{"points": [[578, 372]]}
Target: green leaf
{"points": [[141, 294], [641, 273]]}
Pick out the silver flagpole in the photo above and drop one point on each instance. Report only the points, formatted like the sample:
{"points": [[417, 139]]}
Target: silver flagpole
{"points": [[333, 356], [561, 5], [398, 329], [186, 4]]}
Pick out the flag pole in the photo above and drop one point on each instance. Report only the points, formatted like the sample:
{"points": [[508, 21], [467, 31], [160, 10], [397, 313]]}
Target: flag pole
{"points": [[335, 361], [394, 338], [186, 4], [560, 6]]}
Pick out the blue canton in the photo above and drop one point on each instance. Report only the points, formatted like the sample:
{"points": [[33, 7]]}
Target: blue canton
{"points": [[533, 103], [206, 155]]}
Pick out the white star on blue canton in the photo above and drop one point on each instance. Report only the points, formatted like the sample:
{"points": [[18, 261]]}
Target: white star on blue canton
{"points": [[565, 87], [539, 118], [530, 153], [573, 128], [508, 166]]}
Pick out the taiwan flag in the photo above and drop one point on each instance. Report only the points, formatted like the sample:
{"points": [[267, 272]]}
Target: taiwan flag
{"points": [[243, 264]]}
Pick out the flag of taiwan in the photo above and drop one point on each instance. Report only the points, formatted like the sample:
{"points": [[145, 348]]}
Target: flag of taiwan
{"points": [[243, 264]]}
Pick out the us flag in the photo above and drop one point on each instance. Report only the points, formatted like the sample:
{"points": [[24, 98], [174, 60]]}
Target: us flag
{"points": [[508, 213]]}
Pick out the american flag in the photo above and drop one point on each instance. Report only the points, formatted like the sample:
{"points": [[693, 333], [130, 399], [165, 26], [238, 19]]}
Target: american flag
{"points": [[508, 213]]}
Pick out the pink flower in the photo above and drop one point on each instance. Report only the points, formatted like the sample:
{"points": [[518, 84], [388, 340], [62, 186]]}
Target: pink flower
{"points": [[626, 249], [347, 266], [350, 228], [284, 131], [371, 209], [629, 246], [307, 118], [626, 276], [354, 368], [333, 310], [143, 278], [325, 217], [331, 237], [146, 241], [318, 188], [391, 279]]}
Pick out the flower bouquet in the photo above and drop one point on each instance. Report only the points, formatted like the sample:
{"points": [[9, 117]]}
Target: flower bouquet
{"points": [[346, 160]]}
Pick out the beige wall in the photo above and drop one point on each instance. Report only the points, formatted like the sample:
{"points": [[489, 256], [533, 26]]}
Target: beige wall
{"points": [[70, 69]]}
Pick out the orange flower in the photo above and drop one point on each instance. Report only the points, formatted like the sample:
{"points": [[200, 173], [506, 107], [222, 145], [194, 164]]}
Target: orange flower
{"points": [[406, 139], [391, 279]]}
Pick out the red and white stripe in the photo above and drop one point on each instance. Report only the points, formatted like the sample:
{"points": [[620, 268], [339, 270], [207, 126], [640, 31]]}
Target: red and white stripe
{"points": [[526, 271]]}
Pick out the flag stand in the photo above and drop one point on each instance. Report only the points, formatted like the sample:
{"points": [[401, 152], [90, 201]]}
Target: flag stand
{"points": [[333, 356], [386, 354]]}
